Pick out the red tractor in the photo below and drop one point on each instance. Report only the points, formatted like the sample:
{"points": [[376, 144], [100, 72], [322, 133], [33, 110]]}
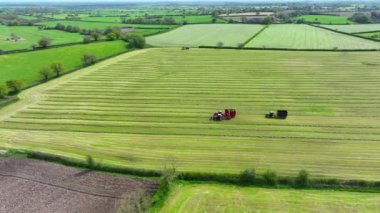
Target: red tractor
{"points": [[227, 115]]}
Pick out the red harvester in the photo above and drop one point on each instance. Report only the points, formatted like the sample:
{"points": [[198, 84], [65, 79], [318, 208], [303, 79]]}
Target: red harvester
{"points": [[228, 115]]}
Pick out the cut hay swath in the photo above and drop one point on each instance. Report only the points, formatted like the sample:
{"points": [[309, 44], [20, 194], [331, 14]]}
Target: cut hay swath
{"points": [[231, 35], [144, 108], [297, 36]]}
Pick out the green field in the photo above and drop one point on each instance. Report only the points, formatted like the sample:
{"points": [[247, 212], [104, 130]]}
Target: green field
{"points": [[212, 198], [145, 107], [100, 25], [297, 36], [26, 66], [206, 34], [325, 19], [374, 35], [358, 28], [204, 19], [31, 35]]}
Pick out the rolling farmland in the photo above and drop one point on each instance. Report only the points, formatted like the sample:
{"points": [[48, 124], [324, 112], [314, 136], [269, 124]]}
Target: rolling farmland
{"points": [[101, 25], [325, 19], [358, 28], [31, 35], [13, 66], [214, 198], [145, 107], [210, 34], [292, 36]]}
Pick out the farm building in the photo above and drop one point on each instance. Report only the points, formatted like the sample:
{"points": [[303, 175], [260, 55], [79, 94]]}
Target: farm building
{"points": [[254, 17]]}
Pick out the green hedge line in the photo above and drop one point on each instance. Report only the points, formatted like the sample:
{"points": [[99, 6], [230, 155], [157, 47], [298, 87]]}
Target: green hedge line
{"points": [[336, 31], [258, 180], [8, 100]]}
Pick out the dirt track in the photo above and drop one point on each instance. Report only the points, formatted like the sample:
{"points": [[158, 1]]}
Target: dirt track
{"points": [[36, 186]]}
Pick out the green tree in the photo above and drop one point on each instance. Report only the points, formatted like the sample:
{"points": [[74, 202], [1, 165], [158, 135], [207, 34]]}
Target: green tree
{"points": [[86, 39], [111, 36], [89, 59], [135, 41], [44, 42], [57, 68], [15, 86], [3, 91], [45, 73], [302, 178], [270, 177], [247, 177], [361, 18]]}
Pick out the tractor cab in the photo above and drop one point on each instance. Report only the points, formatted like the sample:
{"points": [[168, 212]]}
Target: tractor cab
{"points": [[279, 114]]}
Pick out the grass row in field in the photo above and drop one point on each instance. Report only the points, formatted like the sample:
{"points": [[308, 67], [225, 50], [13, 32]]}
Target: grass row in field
{"points": [[206, 35], [357, 28], [26, 66], [159, 104], [324, 19], [223, 198], [30, 35], [307, 37]]}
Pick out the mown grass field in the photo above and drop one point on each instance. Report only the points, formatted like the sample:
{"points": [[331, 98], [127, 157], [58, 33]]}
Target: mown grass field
{"points": [[357, 28], [297, 36], [206, 34], [26, 66], [31, 35], [374, 35], [147, 107], [194, 198], [325, 19]]}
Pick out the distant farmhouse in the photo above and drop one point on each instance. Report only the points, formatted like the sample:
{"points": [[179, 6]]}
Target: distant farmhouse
{"points": [[253, 17]]}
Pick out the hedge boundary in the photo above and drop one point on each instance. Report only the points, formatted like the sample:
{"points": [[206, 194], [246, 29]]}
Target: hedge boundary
{"points": [[8, 100], [224, 178], [344, 33]]}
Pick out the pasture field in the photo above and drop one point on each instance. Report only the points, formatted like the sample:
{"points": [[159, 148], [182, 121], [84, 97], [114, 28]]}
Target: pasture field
{"points": [[101, 25], [297, 36], [357, 28], [203, 19], [26, 66], [374, 35], [213, 198], [31, 35], [146, 107], [325, 19], [206, 34]]}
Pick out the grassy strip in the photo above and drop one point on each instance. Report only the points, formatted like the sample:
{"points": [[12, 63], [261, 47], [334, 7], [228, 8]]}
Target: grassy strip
{"points": [[354, 35], [290, 49], [260, 180], [8, 100], [254, 36]]}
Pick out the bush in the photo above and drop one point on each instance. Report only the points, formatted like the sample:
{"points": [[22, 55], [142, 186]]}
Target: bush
{"points": [[89, 59], [270, 177], [15, 86], [86, 39], [90, 162], [45, 73], [247, 177], [44, 42], [302, 179], [135, 41], [167, 179], [3, 91], [57, 67]]}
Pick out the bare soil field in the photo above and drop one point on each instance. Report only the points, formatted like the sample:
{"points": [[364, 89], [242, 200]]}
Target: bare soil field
{"points": [[36, 186]]}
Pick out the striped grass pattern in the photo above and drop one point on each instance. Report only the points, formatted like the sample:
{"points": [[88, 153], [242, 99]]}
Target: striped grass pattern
{"points": [[153, 108]]}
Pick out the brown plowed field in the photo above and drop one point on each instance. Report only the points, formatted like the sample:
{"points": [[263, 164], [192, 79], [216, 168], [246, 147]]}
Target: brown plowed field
{"points": [[36, 186]]}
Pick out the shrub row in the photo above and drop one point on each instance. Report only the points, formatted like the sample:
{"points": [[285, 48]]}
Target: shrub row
{"points": [[247, 177]]}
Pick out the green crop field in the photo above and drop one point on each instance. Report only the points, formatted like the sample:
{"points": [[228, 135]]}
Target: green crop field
{"points": [[111, 19], [215, 198], [196, 19], [325, 19], [26, 66], [100, 25], [206, 34], [144, 108], [357, 28], [31, 35], [374, 35], [297, 36]]}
